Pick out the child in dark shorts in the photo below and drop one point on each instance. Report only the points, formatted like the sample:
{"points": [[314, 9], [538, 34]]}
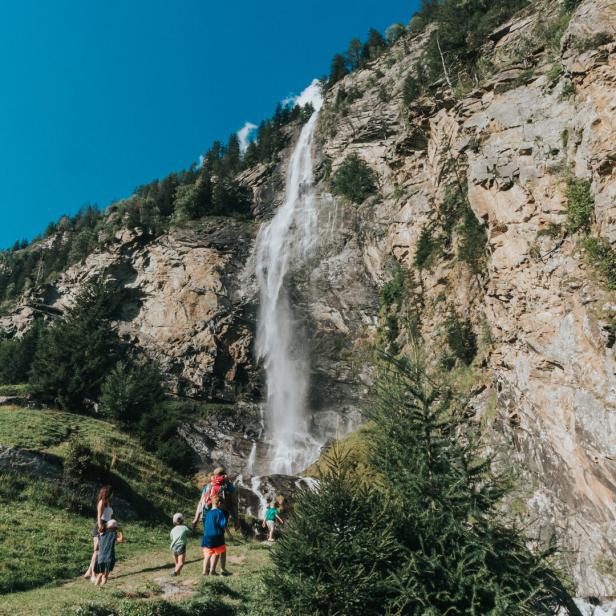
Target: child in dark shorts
{"points": [[179, 538], [106, 551]]}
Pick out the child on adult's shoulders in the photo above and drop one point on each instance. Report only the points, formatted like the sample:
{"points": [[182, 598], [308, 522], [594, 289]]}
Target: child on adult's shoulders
{"points": [[105, 562], [179, 539]]}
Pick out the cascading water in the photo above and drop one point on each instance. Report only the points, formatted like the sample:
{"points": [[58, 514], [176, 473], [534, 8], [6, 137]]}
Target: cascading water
{"points": [[289, 237]]}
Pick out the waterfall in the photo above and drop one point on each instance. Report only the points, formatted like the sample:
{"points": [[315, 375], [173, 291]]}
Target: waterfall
{"points": [[290, 237]]}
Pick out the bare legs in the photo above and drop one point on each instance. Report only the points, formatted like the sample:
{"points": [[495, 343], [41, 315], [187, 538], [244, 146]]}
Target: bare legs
{"points": [[210, 561], [213, 562], [101, 579], [179, 562], [90, 572]]}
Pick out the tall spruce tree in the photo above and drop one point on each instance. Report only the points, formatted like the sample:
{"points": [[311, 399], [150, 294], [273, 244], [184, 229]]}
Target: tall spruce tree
{"points": [[460, 555], [75, 354], [337, 555]]}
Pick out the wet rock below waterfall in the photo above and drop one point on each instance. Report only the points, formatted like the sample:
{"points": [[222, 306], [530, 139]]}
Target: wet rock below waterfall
{"points": [[225, 436], [254, 493]]}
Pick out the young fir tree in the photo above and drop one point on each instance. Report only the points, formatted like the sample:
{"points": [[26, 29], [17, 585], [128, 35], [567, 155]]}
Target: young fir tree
{"points": [[337, 553], [459, 555], [74, 354], [130, 390]]}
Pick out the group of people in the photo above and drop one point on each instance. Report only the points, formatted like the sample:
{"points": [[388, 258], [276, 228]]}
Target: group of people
{"points": [[214, 508]]}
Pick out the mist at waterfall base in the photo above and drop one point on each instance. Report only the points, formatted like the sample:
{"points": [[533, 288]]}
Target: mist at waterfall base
{"points": [[288, 239]]}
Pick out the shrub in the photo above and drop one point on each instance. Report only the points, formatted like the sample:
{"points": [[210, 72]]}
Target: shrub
{"points": [[457, 555], [425, 249], [354, 179], [411, 90], [461, 338], [158, 431], [77, 460], [553, 231], [571, 5], [230, 197], [473, 238], [462, 29], [580, 205], [600, 255], [393, 290]]}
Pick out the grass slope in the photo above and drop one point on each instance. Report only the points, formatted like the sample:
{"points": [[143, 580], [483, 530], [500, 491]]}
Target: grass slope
{"points": [[45, 524]]}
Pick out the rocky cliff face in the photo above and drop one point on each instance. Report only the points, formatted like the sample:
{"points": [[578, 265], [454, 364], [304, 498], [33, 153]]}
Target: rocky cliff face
{"points": [[544, 381]]}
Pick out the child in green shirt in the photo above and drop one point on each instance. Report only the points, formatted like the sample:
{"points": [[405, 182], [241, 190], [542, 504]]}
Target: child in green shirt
{"points": [[271, 517], [179, 539]]}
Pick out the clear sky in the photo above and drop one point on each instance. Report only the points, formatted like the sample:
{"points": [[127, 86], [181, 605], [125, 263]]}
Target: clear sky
{"points": [[99, 96]]}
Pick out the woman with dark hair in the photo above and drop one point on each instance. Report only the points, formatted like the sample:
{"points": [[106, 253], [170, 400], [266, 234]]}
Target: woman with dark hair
{"points": [[104, 513]]}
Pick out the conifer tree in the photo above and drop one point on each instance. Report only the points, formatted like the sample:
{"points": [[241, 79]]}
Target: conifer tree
{"points": [[75, 353], [130, 390], [16, 354], [460, 555], [338, 552], [338, 69]]}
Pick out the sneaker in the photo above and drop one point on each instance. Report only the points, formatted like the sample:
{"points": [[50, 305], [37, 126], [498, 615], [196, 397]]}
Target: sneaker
{"points": [[173, 574], [225, 572]]}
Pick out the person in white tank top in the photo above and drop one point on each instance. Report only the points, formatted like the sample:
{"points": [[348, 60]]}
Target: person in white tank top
{"points": [[104, 513]]}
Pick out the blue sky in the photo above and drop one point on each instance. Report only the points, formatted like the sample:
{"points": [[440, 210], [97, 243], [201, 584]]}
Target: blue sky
{"points": [[97, 97]]}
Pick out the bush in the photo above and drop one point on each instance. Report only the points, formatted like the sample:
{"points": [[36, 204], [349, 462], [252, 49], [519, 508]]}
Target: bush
{"points": [[425, 249], [77, 460], [158, 431], [393, 290], [231, 197], [600, 255], [457, 556], [411, 90], [131, 390], [571, 5], [473, 238], [462, 29], [354, 179], [461, 338], [202, 607], [580, 205]]}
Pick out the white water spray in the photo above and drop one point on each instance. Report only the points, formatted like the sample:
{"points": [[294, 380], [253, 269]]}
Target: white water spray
{"points": [[290, 236]]}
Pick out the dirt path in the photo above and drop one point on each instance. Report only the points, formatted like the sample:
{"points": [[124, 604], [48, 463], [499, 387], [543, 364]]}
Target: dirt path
{"points": [[142, 577]]}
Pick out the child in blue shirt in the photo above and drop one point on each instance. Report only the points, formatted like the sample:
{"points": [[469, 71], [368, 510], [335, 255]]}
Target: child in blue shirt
{"points": [[213, 541]]}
